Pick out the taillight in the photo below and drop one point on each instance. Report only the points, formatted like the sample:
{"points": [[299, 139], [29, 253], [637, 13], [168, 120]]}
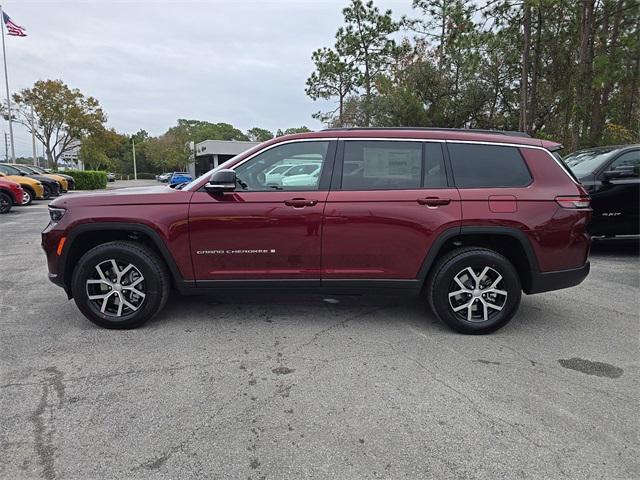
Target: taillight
{"points": [[574, 202]]}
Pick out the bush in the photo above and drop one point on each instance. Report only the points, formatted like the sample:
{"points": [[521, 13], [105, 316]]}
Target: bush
{"points": [[88, 179]]}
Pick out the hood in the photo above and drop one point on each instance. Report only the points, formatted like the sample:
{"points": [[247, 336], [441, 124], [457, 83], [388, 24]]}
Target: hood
{"points": [[154, 195]]}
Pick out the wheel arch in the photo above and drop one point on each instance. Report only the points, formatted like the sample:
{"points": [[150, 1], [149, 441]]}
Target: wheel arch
{"points": [[83, 238], [507, 241], [29, 189]]}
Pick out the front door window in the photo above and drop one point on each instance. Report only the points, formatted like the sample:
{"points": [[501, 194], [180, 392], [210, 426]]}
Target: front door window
{"points": [[292, 166]]}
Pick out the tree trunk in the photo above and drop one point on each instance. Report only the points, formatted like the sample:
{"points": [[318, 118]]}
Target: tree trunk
{"points": [[631, 104], [584, 62], [51, 159], [537, 49], [601, 103], [524, 80], [367, 87]]}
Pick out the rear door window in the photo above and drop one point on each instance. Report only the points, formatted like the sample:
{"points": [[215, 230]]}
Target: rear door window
{"points": [[480, 166], [392, 165]]}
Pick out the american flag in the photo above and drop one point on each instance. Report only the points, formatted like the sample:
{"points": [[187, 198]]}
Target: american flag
{"points": [[12, 28]]}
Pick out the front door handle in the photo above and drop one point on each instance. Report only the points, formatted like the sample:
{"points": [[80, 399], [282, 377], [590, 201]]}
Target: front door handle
{"points": [[300, 202], [434, 201]]}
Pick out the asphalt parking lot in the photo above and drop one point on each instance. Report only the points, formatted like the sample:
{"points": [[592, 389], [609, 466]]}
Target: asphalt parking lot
{"points": [[256, 387]]}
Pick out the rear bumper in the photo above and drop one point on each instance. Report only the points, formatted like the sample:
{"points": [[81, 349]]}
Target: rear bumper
{"points": [[548, 281]]}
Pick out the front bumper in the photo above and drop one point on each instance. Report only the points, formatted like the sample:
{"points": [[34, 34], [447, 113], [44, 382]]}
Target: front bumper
{"points": [[548, 281]]}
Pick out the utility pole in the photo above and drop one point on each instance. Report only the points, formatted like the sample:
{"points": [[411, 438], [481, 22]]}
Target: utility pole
{"points": [[135, 171], [6, 148]]}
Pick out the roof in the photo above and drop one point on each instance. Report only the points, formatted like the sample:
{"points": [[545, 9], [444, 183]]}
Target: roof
{"points": [[510, 133], [427, 134]]}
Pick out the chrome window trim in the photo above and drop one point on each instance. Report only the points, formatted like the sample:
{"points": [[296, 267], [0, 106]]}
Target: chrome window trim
{"points": [[396, 139], [282, 143]]}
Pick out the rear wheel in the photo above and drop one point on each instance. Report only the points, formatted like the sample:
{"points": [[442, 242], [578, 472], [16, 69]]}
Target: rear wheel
{"points": [[120, 284], [27, 196], [6, 202], [474, 290]]}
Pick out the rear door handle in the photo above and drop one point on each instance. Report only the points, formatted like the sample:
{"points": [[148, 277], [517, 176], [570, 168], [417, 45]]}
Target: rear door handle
{"points": [[434, 201], [300, 202]]}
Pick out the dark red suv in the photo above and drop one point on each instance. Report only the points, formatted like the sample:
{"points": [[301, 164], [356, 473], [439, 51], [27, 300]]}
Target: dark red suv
{"points": [[469, 218]]}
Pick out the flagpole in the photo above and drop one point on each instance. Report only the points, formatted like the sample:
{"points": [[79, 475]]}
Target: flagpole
{"points": [[6, 81]]}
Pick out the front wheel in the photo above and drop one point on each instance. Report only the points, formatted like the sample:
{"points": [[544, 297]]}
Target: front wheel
{"points": [[5, 202], [120, 284], [474, 290], [27, 196], [46, 192]]}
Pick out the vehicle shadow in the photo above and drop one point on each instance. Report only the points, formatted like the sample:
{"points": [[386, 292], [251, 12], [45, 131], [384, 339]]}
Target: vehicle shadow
{"points": [[615, 247]]}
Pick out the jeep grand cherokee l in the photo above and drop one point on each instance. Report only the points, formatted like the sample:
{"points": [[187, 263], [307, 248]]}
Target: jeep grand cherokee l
{"points": [[468, 218]]}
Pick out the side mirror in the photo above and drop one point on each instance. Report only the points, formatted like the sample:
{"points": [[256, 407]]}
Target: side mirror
{"points": [[221, 181], [620, 172]]}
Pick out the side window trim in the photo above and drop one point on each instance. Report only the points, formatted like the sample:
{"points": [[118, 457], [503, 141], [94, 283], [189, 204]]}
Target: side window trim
{"points": [[328, 167], [336, 177]]}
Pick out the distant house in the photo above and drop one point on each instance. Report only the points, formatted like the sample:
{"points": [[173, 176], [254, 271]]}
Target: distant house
{"points": [[211, 153]]}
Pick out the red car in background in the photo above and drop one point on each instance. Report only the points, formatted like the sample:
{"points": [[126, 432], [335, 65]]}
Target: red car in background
{"points": [[10, 194]]}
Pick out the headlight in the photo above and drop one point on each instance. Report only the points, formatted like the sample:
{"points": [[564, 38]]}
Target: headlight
{"points": [[56, 213]]}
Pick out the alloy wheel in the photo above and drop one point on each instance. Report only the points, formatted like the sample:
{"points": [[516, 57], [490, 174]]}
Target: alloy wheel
{"points": [[115, 288], [476, 294], [26, 197]]}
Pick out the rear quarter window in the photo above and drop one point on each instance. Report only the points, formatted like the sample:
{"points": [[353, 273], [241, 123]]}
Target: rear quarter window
{"points": [[479, 166]]}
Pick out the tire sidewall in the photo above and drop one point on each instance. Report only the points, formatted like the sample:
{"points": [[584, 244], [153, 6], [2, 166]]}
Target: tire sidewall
{"points": [[153, 286], [487, 258], [8, 198]]}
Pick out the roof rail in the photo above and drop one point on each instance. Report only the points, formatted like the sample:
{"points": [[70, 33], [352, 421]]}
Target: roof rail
{"points": [[437, 129]]}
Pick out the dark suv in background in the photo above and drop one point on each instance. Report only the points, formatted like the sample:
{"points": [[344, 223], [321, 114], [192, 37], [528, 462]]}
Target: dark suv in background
{"points": [[611, 176], [468, 218]]}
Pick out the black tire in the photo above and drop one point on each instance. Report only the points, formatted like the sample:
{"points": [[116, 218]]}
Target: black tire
{"points": [[474, 304], [28, 196], [6, 202], [46, 195], [156, 284]]}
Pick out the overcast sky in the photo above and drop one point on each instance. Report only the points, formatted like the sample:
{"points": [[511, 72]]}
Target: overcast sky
{"points": [[152, 62]]}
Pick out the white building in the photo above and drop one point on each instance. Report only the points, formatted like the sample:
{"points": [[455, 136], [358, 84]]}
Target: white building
{"points": [[211, 153], [70, 158]]}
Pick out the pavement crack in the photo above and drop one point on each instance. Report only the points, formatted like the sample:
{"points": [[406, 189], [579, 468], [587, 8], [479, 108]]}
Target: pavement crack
{"points": [[341, 323], [44, 425]]}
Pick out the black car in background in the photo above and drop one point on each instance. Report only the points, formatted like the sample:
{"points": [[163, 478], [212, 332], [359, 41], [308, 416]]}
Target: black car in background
{"points": [[51, 187], [39, 170], [611, 175]]}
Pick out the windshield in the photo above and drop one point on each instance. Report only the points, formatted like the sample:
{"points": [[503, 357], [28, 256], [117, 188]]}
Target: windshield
{"points": [[585, 162], [9, 170]]}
